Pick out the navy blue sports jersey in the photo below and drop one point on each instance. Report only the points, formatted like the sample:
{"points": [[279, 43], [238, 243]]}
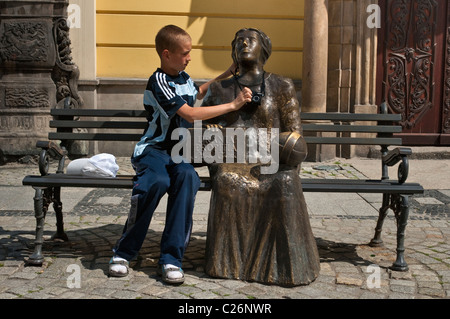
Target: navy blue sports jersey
{"points": [[163, 97]]}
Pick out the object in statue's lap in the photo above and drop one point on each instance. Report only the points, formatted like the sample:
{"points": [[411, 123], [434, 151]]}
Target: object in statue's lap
{"points": [[293, 149]]}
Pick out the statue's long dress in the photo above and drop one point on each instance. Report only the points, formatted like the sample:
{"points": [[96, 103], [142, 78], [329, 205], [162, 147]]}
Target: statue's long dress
{"points": [[258, 224]]}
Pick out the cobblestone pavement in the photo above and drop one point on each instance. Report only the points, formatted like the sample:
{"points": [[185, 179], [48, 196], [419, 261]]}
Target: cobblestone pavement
{"points": [[343, 224]]}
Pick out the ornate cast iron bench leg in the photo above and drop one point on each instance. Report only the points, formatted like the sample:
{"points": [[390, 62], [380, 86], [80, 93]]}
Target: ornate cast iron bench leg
{"points": [[40, 209], [401, 211], [377, 241], [400, 206], [42, 199], [57, 206]]}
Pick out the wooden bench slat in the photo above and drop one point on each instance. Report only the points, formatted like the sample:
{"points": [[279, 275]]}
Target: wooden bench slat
{"points": [[309, 185], [352, 128], [360, 186], [94, 136], [350, 117], [308, 139], [98, 113], [344, 117], [306, 127], [65, 180], [99, 124], [353, 140]]}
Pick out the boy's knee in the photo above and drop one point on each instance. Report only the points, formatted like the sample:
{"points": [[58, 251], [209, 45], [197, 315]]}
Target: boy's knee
{"points": [[152, 184], [187, 173], [161, 182]]}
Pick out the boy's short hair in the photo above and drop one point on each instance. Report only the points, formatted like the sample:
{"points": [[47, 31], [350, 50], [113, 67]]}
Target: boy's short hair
{"points": [[169, 37]]}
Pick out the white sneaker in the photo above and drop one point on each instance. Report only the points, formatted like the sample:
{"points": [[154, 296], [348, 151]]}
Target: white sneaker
{"points": [[172, 274], [118, 267]]}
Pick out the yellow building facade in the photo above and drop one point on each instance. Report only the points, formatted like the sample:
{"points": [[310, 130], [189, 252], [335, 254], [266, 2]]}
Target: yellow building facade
{"points": [[125, 34]]}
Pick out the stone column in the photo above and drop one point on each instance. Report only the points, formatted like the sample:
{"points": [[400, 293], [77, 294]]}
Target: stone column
{"points": [[366, 64], [36, 71], [315, 56], [366, 57], [315, 70]]}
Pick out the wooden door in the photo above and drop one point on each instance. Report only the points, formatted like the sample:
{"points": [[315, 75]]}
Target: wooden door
{"points": [[414, 68]]}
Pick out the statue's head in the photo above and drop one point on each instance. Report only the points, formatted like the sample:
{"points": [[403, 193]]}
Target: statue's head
{"points": [[251, 45]]}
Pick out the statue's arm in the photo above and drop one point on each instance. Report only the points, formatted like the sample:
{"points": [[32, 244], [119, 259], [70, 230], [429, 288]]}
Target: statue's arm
{"points": [[290, 111], [293, 148]]}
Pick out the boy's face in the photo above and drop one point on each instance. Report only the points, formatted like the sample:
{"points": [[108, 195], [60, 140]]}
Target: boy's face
{"points": [[179, 59]]}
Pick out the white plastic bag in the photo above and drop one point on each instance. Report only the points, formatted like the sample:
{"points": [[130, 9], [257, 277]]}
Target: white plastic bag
{"points": [[101, 165]]}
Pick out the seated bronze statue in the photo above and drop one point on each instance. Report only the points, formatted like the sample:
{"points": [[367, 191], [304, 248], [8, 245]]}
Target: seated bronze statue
{"points": [[258, 224]]}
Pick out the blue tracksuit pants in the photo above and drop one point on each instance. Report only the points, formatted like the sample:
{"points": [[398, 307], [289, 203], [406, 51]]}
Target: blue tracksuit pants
{"points": [[156, 175]]}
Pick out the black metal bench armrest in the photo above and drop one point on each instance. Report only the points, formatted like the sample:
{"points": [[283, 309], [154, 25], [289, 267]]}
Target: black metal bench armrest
{"points": [[399, 154], [51, 149]]}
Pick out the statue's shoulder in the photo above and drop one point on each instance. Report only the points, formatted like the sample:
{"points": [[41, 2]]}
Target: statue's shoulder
{"points": [[280, 81], [223, 84], [219, 92]]}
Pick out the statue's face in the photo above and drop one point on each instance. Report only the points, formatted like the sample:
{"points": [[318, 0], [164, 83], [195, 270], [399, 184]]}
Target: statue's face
{"points": [[248, 46]]}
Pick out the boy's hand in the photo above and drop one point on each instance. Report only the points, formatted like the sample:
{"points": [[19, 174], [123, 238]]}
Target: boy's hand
{"points": [[245, 96]]}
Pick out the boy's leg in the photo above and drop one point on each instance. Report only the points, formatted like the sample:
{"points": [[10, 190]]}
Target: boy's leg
{"points": [[183, 189], [152, 182]]}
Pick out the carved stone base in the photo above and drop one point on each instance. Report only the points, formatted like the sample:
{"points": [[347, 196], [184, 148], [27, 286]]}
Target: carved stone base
{"points": [[36, 71], [24, 103]]}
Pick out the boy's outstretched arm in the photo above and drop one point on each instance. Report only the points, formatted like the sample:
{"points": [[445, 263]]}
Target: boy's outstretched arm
{"points": [[192, 114]]}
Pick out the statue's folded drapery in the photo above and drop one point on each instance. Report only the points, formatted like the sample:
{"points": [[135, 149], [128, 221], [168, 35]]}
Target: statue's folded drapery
{"points": [[258, 227]]}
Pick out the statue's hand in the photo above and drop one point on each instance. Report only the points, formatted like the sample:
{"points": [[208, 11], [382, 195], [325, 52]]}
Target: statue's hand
{"points": [[213, 126]]}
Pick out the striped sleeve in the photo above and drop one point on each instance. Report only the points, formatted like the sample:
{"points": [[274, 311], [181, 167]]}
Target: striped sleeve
{"points": [[163, 85], [165, 94]]}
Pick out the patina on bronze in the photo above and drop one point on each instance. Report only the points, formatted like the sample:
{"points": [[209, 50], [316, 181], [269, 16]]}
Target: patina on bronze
{"points": [[258, 225]]}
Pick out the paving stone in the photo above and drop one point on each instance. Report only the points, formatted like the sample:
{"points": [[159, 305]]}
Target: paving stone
{"points": [[428, 201], [24, 275], [6, 295], [372, 295], [38, 295], [154, 290], [126, 294], [72, 294], [446, 192], [405, 289], [348, 279], [205, 295], [399, 295], [8, 270], [432, 292]]}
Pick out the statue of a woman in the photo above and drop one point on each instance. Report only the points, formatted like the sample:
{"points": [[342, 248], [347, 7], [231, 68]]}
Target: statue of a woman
{"points": [[258, 224]]}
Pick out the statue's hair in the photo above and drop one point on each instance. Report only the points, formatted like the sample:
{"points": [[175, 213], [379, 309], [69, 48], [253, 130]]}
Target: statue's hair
{"points": [[266, 44], [169, 38]]}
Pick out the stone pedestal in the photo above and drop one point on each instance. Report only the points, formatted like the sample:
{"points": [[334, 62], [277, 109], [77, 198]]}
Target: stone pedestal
{"points": [[36, 71]]}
